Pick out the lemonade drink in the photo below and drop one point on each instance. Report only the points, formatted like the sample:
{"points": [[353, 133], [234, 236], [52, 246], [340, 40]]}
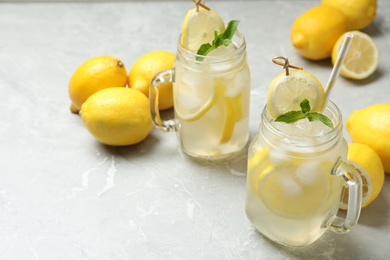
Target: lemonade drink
{"points": [[211, 100], [293, 192]]}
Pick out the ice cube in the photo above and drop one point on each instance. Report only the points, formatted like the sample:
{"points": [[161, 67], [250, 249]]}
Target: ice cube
{"points": [[289, 186], [277, 157], [222, 51], [219, 60], [237, 81], [189, 102], [310, 173]]}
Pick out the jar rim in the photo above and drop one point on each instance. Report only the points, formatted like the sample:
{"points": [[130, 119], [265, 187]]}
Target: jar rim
{"points": [[238, 39], [303, 140]]}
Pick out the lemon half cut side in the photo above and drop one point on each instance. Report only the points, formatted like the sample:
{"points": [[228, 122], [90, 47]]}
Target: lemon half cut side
{"points": [[362, 58], [367, 162]]}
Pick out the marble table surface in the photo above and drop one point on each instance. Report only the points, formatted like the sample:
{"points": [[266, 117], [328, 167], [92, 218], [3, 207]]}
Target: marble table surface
{"points": [[63, 195]]}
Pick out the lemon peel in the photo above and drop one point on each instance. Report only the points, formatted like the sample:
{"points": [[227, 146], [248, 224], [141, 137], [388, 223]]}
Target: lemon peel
{"points": [[370, 168], [371, 126], [313, 33], [143, 70], [93, 75], [117, 116], [360, 13]]}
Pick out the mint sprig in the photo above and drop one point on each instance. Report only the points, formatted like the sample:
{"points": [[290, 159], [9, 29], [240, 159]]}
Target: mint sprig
{"points": [[225, 38], [294, 116]]}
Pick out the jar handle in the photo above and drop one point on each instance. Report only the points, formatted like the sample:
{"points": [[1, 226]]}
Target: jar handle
{"points": [[157, 80], [353, 181]]}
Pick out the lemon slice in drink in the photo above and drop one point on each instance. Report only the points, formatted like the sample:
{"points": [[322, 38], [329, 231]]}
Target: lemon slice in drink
{"points": [[230, 120], [191, 112], [285, 93], [362, 58], [233, 113], [258, 163], [199, 27], [194, 100], [292, 191]]}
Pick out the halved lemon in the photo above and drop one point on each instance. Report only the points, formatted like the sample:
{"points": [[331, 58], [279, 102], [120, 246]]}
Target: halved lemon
{"points": [[199, 27], [362, 58], [285, 93], [369, 165], [293, 191]]}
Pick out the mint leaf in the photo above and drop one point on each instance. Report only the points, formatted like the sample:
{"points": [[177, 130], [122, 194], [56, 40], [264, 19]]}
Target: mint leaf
{"points": [[290, 117], [230, 30], [225, 38], [305, 106], [205, 48], [314, 116], [294, 116]]}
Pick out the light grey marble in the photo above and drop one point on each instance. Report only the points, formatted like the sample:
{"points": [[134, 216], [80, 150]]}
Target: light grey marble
{"points": [[63, 195]]}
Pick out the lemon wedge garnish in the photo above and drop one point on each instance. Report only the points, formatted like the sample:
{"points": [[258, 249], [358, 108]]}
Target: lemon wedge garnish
{"points": [[285, 93], [199, 27], [362, 58]]}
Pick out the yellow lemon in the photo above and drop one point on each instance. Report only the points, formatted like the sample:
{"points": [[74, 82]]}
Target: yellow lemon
{"points": [[285, 93], [199, 27], [143, 70], [362, 58], [371, 126], [93, 75], [370, 168], [117, 116], [314, 33], [360, 13]]}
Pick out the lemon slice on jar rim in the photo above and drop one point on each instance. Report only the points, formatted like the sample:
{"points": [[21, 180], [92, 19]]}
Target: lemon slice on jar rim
{"points": [[286, 92], [199, 27]]}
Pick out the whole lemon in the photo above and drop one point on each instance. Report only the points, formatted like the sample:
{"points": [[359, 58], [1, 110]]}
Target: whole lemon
{"points": [[143, 70], [360, 13], [314, 33], [117, 116], [371, 126], [93, 75], [367, 162]]}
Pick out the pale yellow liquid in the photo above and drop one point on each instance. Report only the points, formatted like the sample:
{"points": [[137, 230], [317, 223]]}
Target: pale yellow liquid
{"points": [[223, 129], [291, 196]]}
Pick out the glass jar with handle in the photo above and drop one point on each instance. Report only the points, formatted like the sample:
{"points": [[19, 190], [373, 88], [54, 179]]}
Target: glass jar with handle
{"points": [[296, 174], [211, 100]]}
